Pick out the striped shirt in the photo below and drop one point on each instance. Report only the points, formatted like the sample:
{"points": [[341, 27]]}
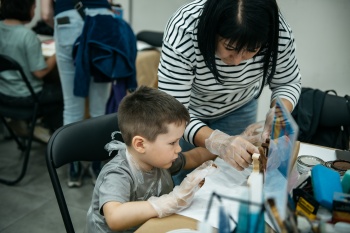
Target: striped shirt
{"points": [[183, 74]]}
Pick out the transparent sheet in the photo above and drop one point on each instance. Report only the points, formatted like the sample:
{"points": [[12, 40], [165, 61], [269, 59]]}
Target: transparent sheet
{"points": [[283, 137]]}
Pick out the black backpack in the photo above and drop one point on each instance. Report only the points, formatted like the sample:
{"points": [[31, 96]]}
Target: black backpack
{"points": [[309, 115]]}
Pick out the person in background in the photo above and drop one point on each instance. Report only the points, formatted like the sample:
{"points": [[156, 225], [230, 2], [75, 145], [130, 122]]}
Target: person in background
{"points": [[23, 45], [136, 184], [217, 56], [68, 25]]}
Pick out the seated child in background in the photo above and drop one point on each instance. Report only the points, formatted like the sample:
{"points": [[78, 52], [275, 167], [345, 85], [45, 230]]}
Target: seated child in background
{"points": [[136, 184], [22, 44]]}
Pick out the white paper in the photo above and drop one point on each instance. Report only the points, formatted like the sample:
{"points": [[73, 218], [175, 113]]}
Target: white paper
{"points": [[321, 152], [48, 48], [230, 182]]}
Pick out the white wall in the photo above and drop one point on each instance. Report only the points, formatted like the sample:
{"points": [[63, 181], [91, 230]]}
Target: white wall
{"points": [[36, 16], [153, 14], [322, 33]]}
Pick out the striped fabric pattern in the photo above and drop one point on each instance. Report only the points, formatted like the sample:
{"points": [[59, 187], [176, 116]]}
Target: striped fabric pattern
{"points": [[183, 74]]}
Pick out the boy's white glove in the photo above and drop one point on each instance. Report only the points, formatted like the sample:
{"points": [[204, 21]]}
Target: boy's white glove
{"points": [[182, 195], [235, 150]]}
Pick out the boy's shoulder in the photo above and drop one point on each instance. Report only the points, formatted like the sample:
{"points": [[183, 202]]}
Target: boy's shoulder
{"points": [[19, 30], [119, 161], [116, 168]]}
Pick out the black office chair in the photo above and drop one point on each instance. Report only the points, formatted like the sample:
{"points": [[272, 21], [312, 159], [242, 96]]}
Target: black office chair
{"points": [[29, 114], [152, 38], [80, 141]]}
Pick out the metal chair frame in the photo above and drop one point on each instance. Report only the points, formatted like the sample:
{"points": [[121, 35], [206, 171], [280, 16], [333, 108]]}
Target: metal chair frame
{"points": [[29, 114], [80, 141]]}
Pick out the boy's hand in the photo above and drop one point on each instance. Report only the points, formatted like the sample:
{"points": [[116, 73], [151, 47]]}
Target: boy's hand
{"points": [[182, 195]]}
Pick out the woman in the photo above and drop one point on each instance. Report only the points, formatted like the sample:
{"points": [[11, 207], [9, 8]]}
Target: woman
{"points": [[216, 58], [68, 25]]}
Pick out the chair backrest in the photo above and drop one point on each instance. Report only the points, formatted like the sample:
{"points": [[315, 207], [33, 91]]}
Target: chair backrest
{"points": [[80, 141], [7, 63], [9, 110], [152, 38]]}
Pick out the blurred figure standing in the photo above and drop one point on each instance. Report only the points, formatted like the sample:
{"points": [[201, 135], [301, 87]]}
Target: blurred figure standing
{"points": [[68, 25]]}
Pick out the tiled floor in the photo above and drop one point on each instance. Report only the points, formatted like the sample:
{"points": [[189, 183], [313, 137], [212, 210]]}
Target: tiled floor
{"points": [[30, 206]]}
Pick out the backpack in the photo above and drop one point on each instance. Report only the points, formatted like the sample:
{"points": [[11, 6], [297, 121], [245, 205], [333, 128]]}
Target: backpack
{"points": [[334, 137], [308, 113]]}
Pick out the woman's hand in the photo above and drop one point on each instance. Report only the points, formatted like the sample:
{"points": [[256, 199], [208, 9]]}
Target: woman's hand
{"points": [[253, 133], [268, 124], [235, 150]]}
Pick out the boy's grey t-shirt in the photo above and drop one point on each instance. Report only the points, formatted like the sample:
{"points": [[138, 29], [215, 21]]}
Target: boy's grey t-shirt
{"points": [[23, 45], [116, 183]]}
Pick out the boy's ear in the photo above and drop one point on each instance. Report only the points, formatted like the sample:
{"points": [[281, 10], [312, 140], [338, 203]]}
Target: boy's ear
{"points": [[138, 144]]}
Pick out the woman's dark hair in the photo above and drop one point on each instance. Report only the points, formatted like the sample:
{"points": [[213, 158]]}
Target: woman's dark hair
{"points": [[248, 24], [16, 9]]}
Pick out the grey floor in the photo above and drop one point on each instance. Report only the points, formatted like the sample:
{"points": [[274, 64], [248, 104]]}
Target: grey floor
{"points": [[30, 206]]}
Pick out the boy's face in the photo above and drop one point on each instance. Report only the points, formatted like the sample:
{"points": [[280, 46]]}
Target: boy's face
{"points": [[164, 150]]}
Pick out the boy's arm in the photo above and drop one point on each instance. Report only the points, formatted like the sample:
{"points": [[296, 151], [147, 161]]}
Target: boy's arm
{"points": [[51, 64], [124, 216], [197, 156], [121, 216], [182, 195]]}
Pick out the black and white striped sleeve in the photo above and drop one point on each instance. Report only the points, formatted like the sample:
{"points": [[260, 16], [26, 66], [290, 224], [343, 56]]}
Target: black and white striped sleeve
{"points": [[286, 82]]}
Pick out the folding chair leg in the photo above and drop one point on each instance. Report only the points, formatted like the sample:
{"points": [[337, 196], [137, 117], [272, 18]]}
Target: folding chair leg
{"points": [[26, 151], [20, 145], [24, 166], [23, 171]]}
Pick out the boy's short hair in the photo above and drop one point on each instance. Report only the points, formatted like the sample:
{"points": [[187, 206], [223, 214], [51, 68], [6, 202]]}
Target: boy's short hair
{"points": [[16, 9], [147, 112]]}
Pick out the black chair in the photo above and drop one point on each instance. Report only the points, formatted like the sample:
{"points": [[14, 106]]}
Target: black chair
{"points": [[152, 38], [80, 141], [29, 114]]}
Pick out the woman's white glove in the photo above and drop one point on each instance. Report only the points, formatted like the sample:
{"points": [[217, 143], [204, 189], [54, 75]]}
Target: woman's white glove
{"points": [[235, 150], [183, 194], [253, 133], [268, 124]]}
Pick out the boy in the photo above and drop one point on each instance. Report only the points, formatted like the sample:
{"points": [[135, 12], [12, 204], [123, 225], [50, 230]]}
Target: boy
{"points": [[22, 44], [136, 184]]}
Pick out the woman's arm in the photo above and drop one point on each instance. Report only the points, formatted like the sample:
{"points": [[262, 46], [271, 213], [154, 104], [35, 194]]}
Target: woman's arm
{"points": [[47, 12], [286, 103], [286, 82], [197, 156], [202, 134], [124, 216]]}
